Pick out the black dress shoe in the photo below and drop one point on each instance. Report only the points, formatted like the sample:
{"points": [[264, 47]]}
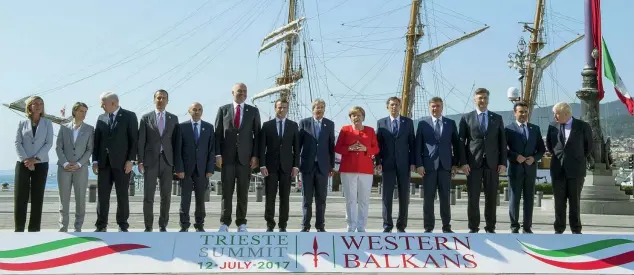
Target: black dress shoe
{"points": [[559, 232], [474, 230], [448, 230], [183, 229], [428, 230], [400, 230], [305, 229], [103, 229], [162, 229], [515, 230], [490, 231], [320, 230], [199, 229], [123, 229], [283, 229], [148, 229], [269, 229], [576, 232], [527, 231], [387, 230]]}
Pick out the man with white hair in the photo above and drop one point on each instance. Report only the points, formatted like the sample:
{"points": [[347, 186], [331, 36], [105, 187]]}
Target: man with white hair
{"points": [[115, 147], [569, 140]]}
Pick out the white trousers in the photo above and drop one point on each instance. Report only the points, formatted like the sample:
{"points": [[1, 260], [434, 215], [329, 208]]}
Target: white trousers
{"points": [[356, 190]]}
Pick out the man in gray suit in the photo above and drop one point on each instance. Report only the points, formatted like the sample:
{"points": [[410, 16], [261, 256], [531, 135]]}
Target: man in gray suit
{"points": [[438, 153], [158, 133], [483, 137], [74, 148], [525, 149], [395, 135], [195, 165], [237, 131], [570, 142]]}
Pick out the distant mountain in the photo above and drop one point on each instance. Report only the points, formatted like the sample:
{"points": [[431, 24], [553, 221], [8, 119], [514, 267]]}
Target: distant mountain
{"points": [[615, 120]]}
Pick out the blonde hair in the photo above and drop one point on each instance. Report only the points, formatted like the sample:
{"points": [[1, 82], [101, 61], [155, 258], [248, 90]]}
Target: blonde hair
{"points": [[28, 103], [317, 102], [562, 108], [357, 110], [76, 107]]}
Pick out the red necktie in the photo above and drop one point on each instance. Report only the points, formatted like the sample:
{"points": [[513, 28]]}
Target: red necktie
{"points": [[236, 119]]}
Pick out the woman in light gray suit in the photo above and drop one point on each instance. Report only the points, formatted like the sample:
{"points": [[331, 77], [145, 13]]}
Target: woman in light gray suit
{"points": [[74, 148], [33, 141]]}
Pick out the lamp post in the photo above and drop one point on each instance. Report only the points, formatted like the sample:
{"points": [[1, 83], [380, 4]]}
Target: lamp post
{"points": [[519, 61]]}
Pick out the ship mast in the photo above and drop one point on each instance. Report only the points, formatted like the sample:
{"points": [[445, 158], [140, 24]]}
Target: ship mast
{"points": [[533, 48], [286, 77], [412, 38]]}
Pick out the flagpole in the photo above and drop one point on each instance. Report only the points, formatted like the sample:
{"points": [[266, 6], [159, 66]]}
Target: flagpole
{"points": [[589, 94]]}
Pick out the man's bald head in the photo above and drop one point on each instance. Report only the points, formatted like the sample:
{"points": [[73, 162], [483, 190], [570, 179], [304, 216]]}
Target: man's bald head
{"points": [[196, 111], [239, 92]]}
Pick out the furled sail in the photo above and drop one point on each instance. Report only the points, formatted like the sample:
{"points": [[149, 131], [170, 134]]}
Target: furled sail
{"points": [[274, 90], [287, 35], [20, 106], [291, 25]]}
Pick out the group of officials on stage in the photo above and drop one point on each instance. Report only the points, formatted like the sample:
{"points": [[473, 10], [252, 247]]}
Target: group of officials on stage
{"points": [[479, 145]]}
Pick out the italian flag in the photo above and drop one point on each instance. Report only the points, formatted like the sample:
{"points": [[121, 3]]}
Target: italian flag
{"points": [[610, 73]]}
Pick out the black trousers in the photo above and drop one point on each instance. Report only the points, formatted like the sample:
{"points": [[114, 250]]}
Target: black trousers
{"points": [[439, 180], [29, 184], [277, 179], [235, 177], [521, 185], [314, 184], [395, 179], [567, 190], [198, 184], [106, 178], [478, 178]]}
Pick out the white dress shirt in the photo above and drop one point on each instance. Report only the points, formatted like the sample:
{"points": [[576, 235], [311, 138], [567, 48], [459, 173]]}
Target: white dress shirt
{"points": [[439, 119], [75, 135], [519, 124]]}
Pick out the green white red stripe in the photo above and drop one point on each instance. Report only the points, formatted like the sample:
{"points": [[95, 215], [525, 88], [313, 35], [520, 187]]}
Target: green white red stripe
{"points": [[610, 73]]}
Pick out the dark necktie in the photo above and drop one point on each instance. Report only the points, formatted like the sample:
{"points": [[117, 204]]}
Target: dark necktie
{"points": [[111, 115], [482, 123], [524, 133], [562, 133], [317, 128], [280, 131], [196, 135], [437, 129], [394, 127]]}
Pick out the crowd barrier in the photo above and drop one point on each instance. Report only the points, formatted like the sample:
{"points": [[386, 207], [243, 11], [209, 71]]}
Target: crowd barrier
{"points": [[177, 253]]}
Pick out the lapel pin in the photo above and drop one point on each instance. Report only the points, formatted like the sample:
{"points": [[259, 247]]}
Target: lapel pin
{"points": [[203, 129]]}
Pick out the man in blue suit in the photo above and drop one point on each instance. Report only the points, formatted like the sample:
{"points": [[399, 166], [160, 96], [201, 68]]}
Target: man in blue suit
{"points": [[395, 135], [194, 165], [438, 154], [526, 148], [317, 163]]}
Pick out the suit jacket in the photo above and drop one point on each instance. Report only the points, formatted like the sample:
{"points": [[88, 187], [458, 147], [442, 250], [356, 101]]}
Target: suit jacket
{"points": [[569, 159], [151, 140], [438, 153], [118, 143], [29, 146], [70, 150], [237, 145], [477, 144], [517, 145], [395, 151], [279, 153], [195, 156], [320, 148]]}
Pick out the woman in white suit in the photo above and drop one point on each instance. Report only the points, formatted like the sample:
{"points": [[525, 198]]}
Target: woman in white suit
{"points": [[33, 141], [74, 148]]}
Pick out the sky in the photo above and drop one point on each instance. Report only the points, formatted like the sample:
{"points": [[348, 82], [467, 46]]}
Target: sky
{"points": [[69, 51]]}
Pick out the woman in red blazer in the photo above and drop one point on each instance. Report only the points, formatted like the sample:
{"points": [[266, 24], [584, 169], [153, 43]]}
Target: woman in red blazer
{"points": [[357, 144]]}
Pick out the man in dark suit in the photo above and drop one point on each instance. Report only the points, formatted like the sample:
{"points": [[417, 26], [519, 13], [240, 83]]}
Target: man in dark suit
{"points": [[195, 165], [482, 134], [317, 163], [279, 162], [158, 133], [395, 135], [438, 153], [115, 147], [237, 132], [525, 149], [569, 140]]}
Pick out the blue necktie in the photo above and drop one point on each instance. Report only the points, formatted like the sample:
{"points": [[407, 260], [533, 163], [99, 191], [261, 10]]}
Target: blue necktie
{"points": [[317, 129], [483, 127], [524, 133], [111, 116], [394, 127], [196, 136], [437, 129]]}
